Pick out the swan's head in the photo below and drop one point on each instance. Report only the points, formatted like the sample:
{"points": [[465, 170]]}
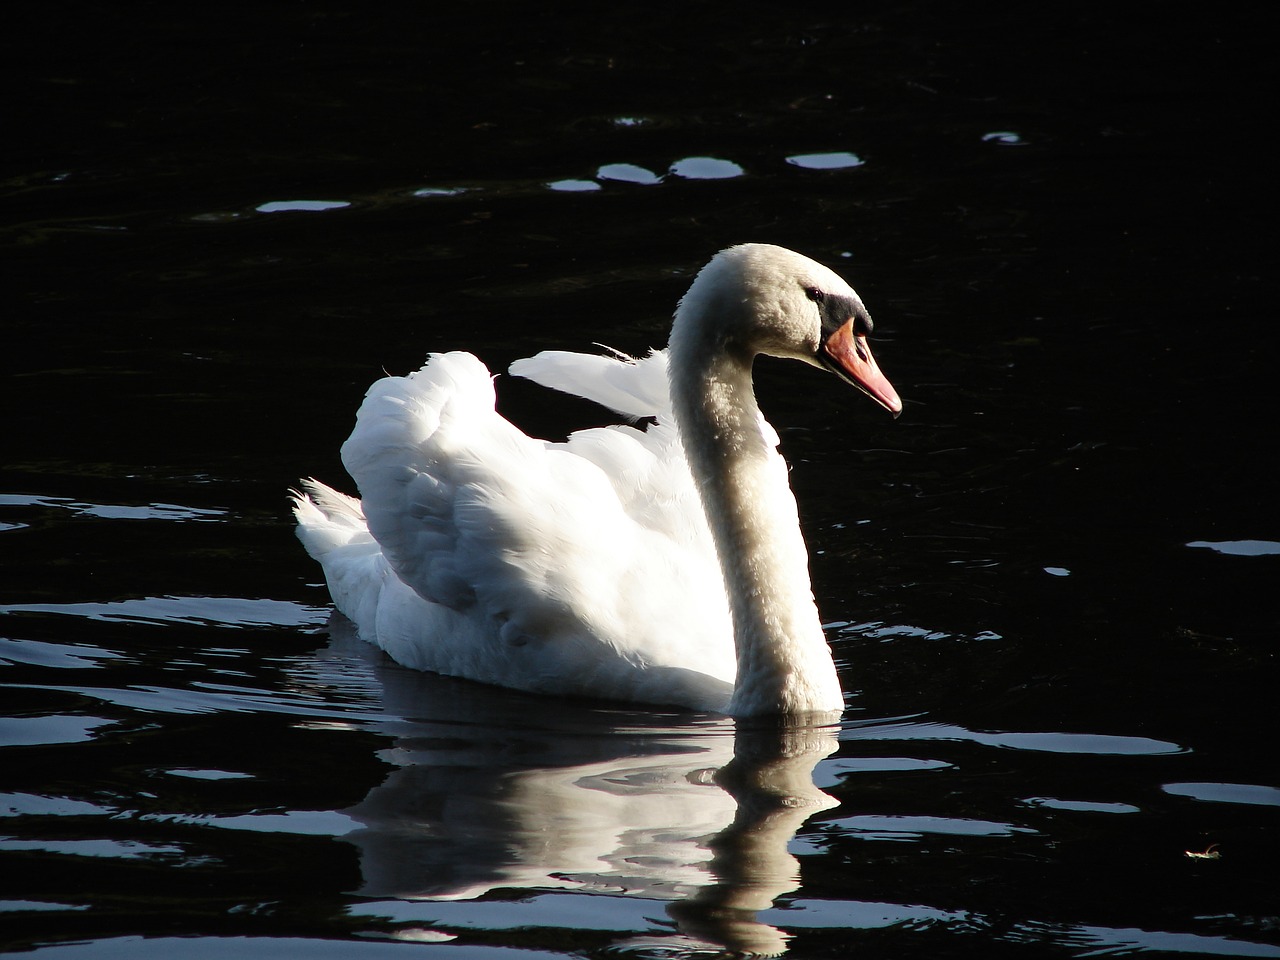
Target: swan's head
{"points": [[758, 298]]}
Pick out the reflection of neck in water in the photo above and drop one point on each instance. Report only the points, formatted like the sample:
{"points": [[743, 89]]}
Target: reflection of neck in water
{"points": [[771, 779], [696, 812]]}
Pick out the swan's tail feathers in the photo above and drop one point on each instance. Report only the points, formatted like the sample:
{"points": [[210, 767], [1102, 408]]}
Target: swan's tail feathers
{"points": [[326, 518], [633, 388], [332, 527]]}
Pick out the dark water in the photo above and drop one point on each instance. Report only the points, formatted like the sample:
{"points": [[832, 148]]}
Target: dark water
{"points": [[1051, 585]]}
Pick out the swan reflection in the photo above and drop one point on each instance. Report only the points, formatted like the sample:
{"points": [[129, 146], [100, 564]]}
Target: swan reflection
{"points": [[497, 790]]}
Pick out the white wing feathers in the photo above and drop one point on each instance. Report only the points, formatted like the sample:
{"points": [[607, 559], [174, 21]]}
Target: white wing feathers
{"points": [[546, 557], [633, 388]]}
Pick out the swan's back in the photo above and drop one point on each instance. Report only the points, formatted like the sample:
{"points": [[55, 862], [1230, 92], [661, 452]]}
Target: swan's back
{"points": [[582, 567]]}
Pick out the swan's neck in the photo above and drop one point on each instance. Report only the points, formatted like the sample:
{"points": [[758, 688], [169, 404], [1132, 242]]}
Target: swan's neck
{"points": [[783, 662]]}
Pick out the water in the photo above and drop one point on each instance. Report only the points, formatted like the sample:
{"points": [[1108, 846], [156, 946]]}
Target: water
{"points": [[1050, 586]]}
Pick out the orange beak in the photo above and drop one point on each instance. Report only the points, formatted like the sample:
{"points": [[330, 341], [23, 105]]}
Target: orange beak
{"points": [[849, 355]]}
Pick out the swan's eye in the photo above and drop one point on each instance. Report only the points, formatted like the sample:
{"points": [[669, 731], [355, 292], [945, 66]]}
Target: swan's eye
{"points": [[838, 309]]}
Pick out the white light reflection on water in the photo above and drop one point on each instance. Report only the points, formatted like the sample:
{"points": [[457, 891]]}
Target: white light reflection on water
{"points": [[304, 206], [826, 161], [706, 168], [313, 823], [107, 511], [209, 774], [1098, 941], [1120, 941], [833, 771], [1004, 138], [48, 729], [58, 656], [24, 906], [902, 827], [1250, 793], [213, 698], [1081, 806], [1093, 744], [880, 630], [114, 849], [33, 805], [440, 191], [279, 948], [204, 611], [1239, 548], [628, 173], [574, 186]]}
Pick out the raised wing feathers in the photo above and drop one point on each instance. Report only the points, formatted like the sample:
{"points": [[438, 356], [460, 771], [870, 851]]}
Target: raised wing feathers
{"points": [[599, 540]]}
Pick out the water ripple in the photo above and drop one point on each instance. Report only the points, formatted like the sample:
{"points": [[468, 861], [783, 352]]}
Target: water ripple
{"points": [[1239, 548], [45, 730], [1250, 793], [905, 827], [1091, 744], [107, 511], [238, 612]]}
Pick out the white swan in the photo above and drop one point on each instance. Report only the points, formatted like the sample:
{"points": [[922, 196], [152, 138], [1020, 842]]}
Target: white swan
{"points": [[661, 565]]}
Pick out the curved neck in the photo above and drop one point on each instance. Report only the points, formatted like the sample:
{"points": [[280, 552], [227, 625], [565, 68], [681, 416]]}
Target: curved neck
{"points": [[783, 662]]}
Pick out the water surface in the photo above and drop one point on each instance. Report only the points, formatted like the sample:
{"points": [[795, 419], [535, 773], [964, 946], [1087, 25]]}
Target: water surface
{"points": [[1049, 585]]}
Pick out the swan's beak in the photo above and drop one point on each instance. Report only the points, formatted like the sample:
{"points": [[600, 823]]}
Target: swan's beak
{"points": [[849, 355]]}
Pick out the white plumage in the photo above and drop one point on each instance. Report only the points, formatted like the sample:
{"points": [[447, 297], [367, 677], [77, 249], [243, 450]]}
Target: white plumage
{"points": [[590, 567]]}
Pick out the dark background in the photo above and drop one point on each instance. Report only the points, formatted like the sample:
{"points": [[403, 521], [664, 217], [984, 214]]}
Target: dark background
{"points": [[1062, 224]]}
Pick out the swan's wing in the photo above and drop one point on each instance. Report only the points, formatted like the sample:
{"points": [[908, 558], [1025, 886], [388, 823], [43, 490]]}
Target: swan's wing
{"points": [[552, 544], [654, 487], [633, 388], [647, 468]]}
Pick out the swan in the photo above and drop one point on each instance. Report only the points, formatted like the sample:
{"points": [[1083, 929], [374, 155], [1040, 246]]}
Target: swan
{"points": [[660, 563]]}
